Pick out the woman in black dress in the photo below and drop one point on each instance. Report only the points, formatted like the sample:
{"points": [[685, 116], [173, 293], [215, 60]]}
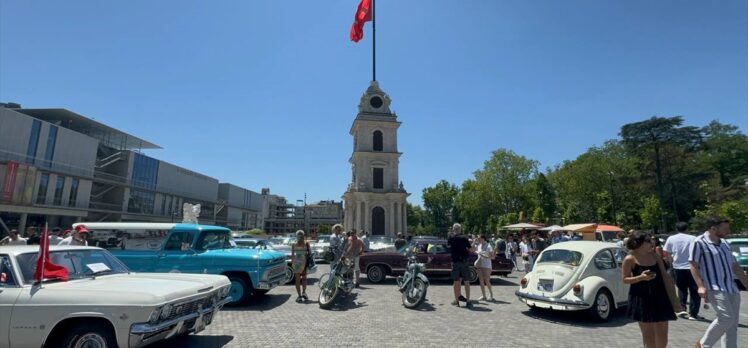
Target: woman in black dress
{"points": [[648, 300]]}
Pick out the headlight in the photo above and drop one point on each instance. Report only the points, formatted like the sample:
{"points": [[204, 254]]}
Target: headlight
{"points": [[166, 311], [421, 267], [224, 291], [154, 315]]}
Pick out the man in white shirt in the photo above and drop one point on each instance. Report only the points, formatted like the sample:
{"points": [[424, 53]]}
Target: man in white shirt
{"points": [[13, 239], [79, 236], [54, 237], [677, 248]]}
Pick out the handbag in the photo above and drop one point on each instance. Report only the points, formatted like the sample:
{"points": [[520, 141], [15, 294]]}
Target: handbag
{"points": [[309, 258], [526, 257], [669, 286]]}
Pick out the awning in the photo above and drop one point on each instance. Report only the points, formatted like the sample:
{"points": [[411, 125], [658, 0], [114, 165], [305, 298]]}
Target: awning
{"points": [[580, 228], [521, 226], [609, 228], [552, 228]]}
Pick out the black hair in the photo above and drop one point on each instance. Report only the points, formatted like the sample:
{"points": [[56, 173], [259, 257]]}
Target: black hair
{"points": [[637, 239], [681, 226], [715, 221]]}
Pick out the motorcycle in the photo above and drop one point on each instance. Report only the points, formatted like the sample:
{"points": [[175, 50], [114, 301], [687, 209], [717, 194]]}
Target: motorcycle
{"points": [[339, 280], [413, 284]]}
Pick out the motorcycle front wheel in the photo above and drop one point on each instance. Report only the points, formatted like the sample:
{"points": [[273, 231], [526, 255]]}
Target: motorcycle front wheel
{"points": [[327, 294], [413, 298]]}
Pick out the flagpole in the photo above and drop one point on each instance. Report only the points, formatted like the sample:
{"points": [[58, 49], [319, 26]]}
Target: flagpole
{"points": [[373, 41]]}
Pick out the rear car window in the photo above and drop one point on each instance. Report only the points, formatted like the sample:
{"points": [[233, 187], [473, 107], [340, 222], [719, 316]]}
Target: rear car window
{"points": [[566, 257]]}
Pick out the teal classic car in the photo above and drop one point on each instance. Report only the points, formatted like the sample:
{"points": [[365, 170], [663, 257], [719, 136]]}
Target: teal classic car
{"points": [[191, 248], [739, 247]]}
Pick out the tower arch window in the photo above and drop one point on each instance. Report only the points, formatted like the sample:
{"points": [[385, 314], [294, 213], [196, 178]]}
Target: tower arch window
{"points": [[378, 143], [377, 221], [378, 174]]}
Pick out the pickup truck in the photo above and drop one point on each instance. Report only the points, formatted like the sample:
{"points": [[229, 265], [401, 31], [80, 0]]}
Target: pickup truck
{"points": [[191, 248]]}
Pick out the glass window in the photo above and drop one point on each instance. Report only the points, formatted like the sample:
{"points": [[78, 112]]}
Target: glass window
{"points": [[58, 190], [144, 171], [179, 241], [378, 178], [6, 272], [566, 257], [378, 141], [36, 127], [209, 240], [73, 199], [41, 195], [605, 260], [49, 153], [141, 202]]}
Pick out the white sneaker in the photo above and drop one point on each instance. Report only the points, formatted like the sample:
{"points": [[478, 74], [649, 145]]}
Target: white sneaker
{"points": [[481, 298], [682, 314], [490, 299]]}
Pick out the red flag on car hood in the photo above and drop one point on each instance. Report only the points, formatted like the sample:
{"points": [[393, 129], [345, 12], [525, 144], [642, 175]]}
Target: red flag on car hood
{"points": [[45, 269], [363, 14]]}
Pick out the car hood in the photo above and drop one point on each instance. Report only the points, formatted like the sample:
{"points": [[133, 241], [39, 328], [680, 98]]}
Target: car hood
{"points": [[253, 254], [129, 289]]}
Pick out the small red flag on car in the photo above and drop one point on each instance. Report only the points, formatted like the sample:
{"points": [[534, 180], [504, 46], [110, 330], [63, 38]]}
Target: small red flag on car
{"points": [[45, 269], [363, 14]]}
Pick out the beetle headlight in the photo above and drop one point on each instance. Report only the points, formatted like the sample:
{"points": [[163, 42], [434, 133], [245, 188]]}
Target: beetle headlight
{"points": [[153, 318], [166, 311]]}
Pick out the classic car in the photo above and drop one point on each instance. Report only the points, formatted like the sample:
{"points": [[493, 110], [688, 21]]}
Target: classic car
{"points": [[191, 248], [576, 276], [381, 243], [433, 253], [321, 247], [102, 304], [739, 247]]}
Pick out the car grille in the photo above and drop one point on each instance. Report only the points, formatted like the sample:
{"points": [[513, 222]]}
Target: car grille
{"points": [[185, 308], [275, 274]]}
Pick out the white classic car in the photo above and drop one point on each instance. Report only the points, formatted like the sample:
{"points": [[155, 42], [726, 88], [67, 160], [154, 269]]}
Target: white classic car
{"points": [[102, 304], [575, 276]]}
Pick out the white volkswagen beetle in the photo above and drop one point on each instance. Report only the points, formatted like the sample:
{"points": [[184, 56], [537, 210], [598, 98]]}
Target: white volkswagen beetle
{"points": [[575, 276]]}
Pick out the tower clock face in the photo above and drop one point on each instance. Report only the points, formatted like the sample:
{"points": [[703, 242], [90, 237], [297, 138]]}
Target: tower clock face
{"points": [[376, 102]]}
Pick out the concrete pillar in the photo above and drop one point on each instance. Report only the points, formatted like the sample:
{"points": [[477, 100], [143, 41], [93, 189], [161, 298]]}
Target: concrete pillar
{"points": [[404, 216], [367, 217], [359, 216], [391, 220]]}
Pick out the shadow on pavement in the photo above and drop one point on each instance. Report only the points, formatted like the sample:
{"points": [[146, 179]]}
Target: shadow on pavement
{"points": [[197, 341], [347, 302], [575, 318], [262, 303]]}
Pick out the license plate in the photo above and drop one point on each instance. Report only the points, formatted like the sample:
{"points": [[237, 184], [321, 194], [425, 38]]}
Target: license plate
{"points": [[545, 285]]}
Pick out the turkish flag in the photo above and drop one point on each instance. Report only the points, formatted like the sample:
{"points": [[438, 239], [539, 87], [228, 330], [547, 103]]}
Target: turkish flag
{"points": [[45, 269], [363, 14]]}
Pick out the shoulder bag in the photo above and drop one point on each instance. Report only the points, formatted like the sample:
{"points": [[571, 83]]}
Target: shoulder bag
{"points": [[669, 286]]}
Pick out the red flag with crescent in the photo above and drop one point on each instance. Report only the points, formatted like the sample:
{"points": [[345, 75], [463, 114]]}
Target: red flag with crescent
{"points": [[45, 269], [363, 15]]}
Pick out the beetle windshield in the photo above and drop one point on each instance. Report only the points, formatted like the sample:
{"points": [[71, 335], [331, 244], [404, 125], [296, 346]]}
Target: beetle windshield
{"points": [[566, 257], [80, 263]]}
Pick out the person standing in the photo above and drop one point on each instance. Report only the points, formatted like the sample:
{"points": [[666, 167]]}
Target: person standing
{"points": [[13, 239], [300, 253], [525, 249], [649, 303], [677, 249], [714, 269], [512, 248], [353, 252], [400, 241], [31, 237], [483, 266], [365, 240], [79, 236], [459, 247], [335, 242], [54, 237]]}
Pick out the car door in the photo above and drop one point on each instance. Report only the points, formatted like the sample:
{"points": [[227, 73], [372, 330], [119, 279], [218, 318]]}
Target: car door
{"points": [[177, 254], [607, 268], [10, 288]]}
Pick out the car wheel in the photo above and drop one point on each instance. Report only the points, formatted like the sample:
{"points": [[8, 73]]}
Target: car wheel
{"points": [[602, 307], [376, 274], [90, 335], [239, 291], [289, 274], [473, 275]]}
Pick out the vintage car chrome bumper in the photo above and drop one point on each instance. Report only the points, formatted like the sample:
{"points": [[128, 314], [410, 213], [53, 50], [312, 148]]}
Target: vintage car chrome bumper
{"points": [[142, 334], [552, 303]]}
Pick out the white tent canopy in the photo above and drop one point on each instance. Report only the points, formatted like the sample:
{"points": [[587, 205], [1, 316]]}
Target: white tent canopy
{"points": [[521, 226], [552, 228]]}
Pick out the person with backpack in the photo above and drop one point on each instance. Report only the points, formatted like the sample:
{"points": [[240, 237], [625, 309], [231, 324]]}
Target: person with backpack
{"points": [[300, 254]]}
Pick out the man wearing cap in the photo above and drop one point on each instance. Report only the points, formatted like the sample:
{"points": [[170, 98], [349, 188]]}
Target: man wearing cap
{"points": [[79, 237], [13, 239]]}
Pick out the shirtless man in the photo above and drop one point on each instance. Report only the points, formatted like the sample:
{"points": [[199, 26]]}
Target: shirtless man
{"points": [[354, 250]]}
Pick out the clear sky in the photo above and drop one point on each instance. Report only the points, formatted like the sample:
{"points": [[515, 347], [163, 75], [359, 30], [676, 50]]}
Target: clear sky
{"points": [[263, 93]]}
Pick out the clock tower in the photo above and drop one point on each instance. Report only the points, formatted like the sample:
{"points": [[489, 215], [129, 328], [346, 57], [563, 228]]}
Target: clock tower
{"points": [[375, 200]]}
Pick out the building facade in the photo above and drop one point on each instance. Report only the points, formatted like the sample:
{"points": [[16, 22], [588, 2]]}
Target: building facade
{"points": [[283, 218], [239, 208], [375, 200]]}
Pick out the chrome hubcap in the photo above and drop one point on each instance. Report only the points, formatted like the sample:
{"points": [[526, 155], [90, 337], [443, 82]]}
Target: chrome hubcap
{"points": [[603, 306], [90, 340], [236, 292]]}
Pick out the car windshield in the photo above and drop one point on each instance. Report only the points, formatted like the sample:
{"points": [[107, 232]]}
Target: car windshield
{"points": [[566, 257], [739, 247], [323, 239], [381, 239], [79, 263], [216, 239]]}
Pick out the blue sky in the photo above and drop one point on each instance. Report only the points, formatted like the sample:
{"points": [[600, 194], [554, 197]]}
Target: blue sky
{"points": [[263, 93]]}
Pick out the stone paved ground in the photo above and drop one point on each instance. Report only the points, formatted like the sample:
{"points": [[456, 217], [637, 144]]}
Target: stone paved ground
{"points": [[376, 316]]}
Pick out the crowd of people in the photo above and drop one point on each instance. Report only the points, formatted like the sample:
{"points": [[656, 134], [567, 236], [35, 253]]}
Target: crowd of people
{"points": [[77, 236]]}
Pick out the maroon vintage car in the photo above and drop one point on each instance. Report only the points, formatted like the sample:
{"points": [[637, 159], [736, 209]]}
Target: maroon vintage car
{"points": [[433, 252]]}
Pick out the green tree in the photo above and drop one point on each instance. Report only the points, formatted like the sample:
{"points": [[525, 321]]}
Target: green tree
{"points": [[438, 202], [725, 151], [538, 215], [415, 215], [545, 196], [651, 212], [256, 232], [324, 229]]}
